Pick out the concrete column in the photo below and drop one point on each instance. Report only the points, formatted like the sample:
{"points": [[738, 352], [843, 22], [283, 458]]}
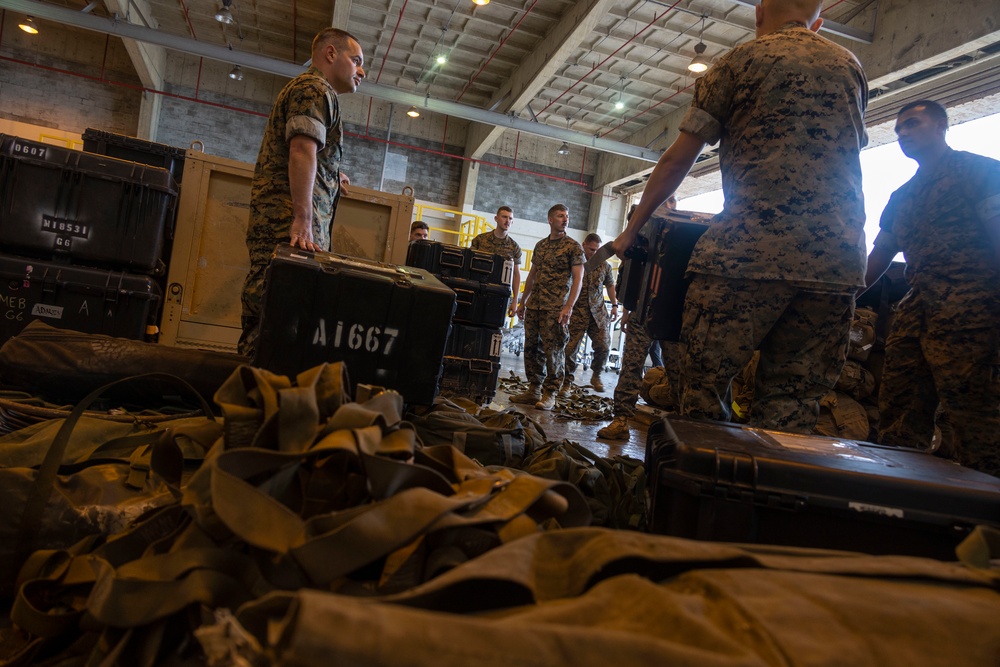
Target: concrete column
{"points": [[149, 116], [467, 187]]}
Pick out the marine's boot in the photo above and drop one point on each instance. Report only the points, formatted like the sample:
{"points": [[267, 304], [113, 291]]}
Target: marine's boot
{"points": [[616, 430], [547, 403], [529, 396]]}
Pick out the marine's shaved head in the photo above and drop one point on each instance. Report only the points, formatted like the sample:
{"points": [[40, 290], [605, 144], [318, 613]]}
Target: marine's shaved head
{"points": [[772, 14]]}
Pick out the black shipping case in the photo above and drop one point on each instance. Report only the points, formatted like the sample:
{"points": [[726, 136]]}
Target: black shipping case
{"points": [[96, 301], [388, 323], [661, 299], [474, 379], [82, 207], [725, 482], [471, 342], [134, 149], [479, 304], [452, 261]]}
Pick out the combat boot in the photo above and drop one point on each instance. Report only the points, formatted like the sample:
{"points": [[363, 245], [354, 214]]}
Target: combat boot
{"points": [[566, 390], [547, 403], [616, 430], [596, 382], [529, 396]]}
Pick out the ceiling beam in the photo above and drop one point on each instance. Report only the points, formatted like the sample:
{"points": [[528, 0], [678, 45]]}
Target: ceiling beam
{"points": [[126, 30], [341, 14], [530, 78]]}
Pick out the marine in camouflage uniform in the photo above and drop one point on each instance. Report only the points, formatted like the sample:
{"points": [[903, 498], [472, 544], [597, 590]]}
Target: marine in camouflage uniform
{"points": [[943, 349], [777, 270], [506, 247], [590, 316], [306, 106], [550, 292]]}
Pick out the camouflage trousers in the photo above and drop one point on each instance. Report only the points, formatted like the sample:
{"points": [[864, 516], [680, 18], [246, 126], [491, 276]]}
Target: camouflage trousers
{"points": [[933, 361], [544, 349], [252, 300], [581, 324], [802, 337]]}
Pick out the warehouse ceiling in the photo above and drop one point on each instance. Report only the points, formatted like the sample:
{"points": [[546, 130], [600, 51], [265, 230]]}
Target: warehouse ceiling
{"points": [[599, 68]]}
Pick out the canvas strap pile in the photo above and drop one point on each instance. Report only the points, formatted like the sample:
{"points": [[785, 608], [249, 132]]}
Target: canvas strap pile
{"points": [[304, 490]]}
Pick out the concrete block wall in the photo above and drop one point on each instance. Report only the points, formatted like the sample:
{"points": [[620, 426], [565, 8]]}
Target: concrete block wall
{"points": [[530, 194], [32, 93]]}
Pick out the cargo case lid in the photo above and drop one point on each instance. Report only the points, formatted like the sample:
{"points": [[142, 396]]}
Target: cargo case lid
{"points": [[93, 164], [800, 471]]}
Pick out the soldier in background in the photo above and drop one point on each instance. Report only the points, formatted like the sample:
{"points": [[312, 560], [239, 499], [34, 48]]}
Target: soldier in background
{"points": [[419, 231], [777, 269], [499, 242], [590, 317], [297, 179], [550, 292], [944, 345]]}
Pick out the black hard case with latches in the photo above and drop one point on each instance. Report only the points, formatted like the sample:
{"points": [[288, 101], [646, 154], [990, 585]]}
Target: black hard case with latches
{"points": [[452, 261], [388, 323], [96, 301], [725, 482], [83, 208]]}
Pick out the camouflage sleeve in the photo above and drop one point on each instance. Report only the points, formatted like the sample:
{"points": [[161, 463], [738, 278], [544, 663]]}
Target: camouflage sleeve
{"points": [[577, 256], [609, 280], [517, 254], [710, 109], [886, 235], [307, 112], [985, 182], [475, 243]]}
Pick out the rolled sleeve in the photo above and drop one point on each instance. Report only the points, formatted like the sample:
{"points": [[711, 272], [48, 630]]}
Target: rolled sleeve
{"points": [[308, 126], [702, 125]]}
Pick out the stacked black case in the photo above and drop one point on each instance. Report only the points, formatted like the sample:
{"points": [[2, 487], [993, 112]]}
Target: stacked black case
{"points": [[78, 228], [481, 282], [725, 482], [388, 323]]}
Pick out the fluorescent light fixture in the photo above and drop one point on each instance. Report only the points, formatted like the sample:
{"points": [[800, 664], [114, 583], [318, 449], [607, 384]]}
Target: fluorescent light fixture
{"points": [[28, 25], [413, 113]]}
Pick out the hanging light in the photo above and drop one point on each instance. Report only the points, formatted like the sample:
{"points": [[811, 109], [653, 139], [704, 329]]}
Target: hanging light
{"points": [[619, 105], [480, 2], [564, 149], [442, 59], [236, 73], [224, 15], [700, 63], [28, 25], [412, 112]]}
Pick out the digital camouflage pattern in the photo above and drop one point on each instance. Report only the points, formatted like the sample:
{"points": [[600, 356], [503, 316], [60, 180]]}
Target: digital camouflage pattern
{"points": [[553, 262], [944, 344], [505, 247], [544, 349], [306, 105], [800, 360], [630, 377], [590, 317], [788, 108], [544, 338]]}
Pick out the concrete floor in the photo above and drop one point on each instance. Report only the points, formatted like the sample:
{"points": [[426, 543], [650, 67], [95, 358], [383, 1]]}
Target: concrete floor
{"points": [[584, 432]]}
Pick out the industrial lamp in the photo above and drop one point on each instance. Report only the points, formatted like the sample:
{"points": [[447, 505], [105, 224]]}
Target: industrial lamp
{"points": [[480, 2], [224, 15], [412, 112], [28, 25], [699, 63], [564, 149], [236, 73]]}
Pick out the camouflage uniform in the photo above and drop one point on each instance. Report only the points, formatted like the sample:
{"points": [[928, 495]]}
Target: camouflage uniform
{"points": [[944, 344], [777, 269], [306, 105], [637, 346], [544, 338], [590, 317], [505, 247]]}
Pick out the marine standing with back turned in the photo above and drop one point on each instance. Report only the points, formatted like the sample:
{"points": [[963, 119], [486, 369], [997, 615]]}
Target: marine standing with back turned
{"points": [[778, 268]]}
